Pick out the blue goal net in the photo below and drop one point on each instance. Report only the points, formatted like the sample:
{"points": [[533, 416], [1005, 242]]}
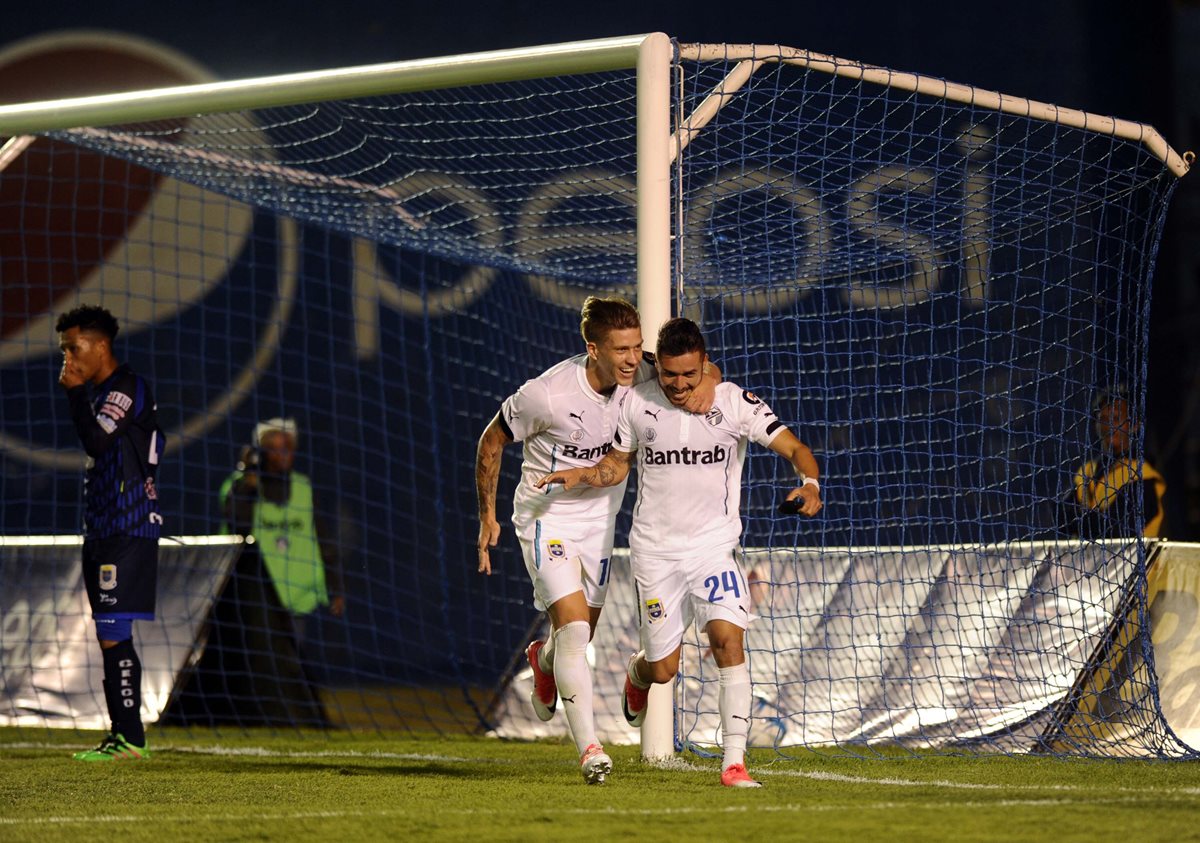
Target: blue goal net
{"points": [[936, 294]]}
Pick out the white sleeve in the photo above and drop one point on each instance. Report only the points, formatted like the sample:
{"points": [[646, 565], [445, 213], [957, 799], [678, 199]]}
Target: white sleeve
{"points": [[626, 438], [756, 421], [527, 411]]}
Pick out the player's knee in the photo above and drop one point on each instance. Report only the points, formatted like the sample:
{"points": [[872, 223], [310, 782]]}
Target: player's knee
{"points": [[727, 650], [664, 670], [569, 609], [112, 631], [573, 637]]}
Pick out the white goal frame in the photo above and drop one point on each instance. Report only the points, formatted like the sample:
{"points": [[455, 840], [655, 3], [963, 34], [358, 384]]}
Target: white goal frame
{"points": [[652, 56]]}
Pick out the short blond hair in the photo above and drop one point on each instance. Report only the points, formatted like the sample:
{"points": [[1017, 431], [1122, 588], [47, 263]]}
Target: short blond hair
{"points": [[600, 317]]}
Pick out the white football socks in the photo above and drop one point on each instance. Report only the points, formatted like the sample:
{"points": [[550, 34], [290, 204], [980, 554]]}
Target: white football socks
{"points": [[546, 654], [637, 681], [733, 701], [574, 679]]}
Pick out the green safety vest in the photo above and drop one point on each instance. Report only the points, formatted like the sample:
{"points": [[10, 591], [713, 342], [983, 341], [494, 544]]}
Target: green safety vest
{"points": [[287, 541]]}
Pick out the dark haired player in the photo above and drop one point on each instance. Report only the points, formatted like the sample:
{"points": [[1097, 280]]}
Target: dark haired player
{"points": [[115, 416], [567, 416], [687, 523]]}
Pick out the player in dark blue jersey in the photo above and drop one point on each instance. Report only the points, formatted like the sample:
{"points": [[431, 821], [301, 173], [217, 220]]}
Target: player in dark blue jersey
{"points": [[117, 423]]}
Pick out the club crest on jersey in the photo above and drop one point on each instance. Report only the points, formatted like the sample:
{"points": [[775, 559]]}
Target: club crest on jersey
{"points": [[714, 416], [651, 434], [108, 577], [576, 434], [655, 611], [556, 549]]}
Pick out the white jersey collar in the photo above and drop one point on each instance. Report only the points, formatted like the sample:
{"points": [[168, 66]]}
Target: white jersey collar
{"points": [[586, 387]]}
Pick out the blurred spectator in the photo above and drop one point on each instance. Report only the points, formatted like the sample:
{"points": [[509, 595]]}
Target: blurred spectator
{"points": [[1112, 495], [267, 499]]}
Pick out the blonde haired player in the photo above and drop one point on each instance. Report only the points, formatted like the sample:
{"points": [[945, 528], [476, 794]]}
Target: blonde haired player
{"points": [[687, 523], [567, 416]]}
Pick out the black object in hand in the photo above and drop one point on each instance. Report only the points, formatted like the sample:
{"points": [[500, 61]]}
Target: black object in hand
{"points": [[791, 507], [247, 458]]}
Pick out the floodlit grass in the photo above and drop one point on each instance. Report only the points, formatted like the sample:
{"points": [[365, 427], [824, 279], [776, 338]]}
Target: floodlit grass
{"points": [[260, 786]]}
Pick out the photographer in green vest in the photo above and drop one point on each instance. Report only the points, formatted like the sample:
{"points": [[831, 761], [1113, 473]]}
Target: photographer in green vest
{"points": [[267, 499]]}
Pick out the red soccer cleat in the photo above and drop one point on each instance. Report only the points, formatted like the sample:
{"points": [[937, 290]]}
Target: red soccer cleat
{"points": [[544, 695], [735, 775], [633, 699]]}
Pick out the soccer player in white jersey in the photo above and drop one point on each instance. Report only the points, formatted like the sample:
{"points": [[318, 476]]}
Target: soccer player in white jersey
{"points": [[687, 523], [567, 416]]}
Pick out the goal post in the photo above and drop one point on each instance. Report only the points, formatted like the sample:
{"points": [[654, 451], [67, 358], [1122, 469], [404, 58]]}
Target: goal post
{"points": [[930, 283], [648, 57]]}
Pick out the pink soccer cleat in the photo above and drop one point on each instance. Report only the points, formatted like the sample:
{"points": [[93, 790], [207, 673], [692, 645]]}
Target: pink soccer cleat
{"points": [[735, 775], [596, 764]]}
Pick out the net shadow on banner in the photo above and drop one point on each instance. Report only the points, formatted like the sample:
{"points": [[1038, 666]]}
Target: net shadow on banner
{"points": [[251, 672], [51, 670]]}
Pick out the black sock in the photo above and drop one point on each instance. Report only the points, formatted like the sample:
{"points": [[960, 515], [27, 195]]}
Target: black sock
{"points": [[123, 691]]}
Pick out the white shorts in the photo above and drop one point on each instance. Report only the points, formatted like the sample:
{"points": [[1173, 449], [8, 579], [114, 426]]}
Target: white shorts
{"points": [[563, 558], [672, 593]]}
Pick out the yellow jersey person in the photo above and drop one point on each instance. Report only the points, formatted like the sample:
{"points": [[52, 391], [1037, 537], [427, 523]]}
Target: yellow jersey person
{"points": [[1112, 495]]}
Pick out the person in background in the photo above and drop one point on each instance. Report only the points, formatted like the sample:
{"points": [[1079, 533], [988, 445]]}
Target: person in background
{"points": [[268, 499], [1112, 495]]}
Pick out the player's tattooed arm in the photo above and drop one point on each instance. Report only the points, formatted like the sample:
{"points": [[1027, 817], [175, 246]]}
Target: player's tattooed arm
{"points": [[610, 471], [487, 475]]}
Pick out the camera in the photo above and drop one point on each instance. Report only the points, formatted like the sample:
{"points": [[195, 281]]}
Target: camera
{"points": [[247, 459]]}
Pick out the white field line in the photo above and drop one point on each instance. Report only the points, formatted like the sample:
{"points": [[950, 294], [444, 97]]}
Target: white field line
{"points": [[893, 782], [673, 764], [262, 752]]}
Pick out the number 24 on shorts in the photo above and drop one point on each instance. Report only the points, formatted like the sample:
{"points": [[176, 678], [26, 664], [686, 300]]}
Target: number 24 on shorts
{"points": [[728, 582]]}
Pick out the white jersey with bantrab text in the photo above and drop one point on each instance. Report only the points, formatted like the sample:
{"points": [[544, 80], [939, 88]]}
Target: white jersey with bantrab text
{"points": [[563, 423], [690, 468]]}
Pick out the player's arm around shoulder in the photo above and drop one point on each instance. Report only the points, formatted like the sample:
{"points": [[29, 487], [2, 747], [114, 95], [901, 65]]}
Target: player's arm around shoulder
{"points": [[492, 441], [788, 446], [705, 394]]}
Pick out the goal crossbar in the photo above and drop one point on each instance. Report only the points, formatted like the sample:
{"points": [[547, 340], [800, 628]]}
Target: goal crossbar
{"points": [[568, 58], [755, 55]]}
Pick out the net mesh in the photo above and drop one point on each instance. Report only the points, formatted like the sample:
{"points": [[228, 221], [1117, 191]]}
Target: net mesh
{"points": [[930, 294]]}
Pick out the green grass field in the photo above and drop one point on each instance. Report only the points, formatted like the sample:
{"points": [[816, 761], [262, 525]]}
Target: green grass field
{"points": [[264, 786]]}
